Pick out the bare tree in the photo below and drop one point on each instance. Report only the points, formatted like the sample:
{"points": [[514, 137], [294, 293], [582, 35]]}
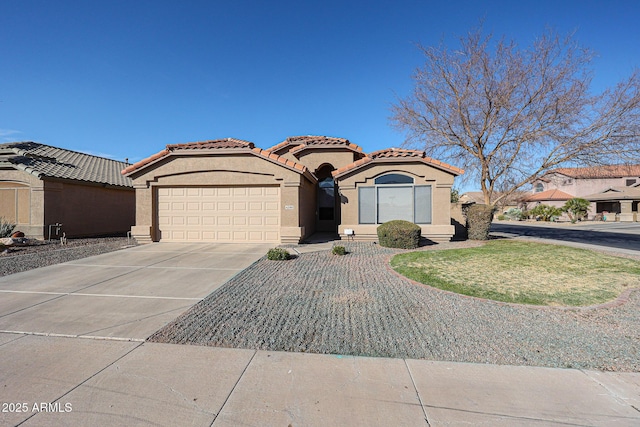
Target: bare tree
{"points": [[507, 115]]}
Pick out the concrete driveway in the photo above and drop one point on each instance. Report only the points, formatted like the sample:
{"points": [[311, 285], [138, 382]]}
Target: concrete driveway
{"points": [[126, 294]]}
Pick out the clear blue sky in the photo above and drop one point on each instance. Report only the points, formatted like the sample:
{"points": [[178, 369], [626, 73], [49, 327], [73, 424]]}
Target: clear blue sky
{"points": [[124, 78]]}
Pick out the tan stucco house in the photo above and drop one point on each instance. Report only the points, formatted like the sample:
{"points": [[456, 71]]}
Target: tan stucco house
{"points": [[42, 185], [228, 190], [613, 190]]}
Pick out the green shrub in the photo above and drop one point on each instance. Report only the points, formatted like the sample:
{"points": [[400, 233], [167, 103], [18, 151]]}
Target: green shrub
{"points": [[545, 213], [6, 228], [455, 196], [576, 208], [515, 214], [502, 217], [278, 254], [338, 250], [399, 234], [479, 219]]}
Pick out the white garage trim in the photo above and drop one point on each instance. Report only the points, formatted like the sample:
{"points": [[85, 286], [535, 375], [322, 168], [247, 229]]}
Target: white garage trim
{"points": [[219, 214]]}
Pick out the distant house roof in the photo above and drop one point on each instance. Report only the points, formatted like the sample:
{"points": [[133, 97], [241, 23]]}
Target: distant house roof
{"points": [[225, 144], [394, 155], [549, 195], [45, 161], [608, 171], [615, 193], [478, 197]]}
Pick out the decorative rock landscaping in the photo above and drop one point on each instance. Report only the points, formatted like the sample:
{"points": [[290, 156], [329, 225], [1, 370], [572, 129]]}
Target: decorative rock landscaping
{"points": [[356, 305], [32, 254]]}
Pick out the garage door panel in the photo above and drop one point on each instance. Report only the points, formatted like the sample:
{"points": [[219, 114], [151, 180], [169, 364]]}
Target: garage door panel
{"points": [[271, 220], [219, 214]]}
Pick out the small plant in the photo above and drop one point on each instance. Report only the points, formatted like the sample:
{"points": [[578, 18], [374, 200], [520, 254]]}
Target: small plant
{"points": [[399, 234], [278, 254], [338, 250], [502, 217], [6, 228]]}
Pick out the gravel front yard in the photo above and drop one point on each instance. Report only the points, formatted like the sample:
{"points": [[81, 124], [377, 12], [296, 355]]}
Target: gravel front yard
{"points": [[44, 253], [321, 303]]}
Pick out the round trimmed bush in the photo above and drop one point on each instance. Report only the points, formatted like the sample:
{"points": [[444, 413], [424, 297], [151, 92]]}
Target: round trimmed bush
{"points": [[399, 234], [338, 250], [278, 254], [479, 219]]}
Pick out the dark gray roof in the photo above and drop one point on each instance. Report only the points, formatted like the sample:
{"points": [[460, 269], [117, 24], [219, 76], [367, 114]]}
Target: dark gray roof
{"points": [[45, 161]]}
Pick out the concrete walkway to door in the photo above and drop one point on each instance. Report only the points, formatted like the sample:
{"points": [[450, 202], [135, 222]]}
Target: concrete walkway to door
{"points": [[72, 353]]}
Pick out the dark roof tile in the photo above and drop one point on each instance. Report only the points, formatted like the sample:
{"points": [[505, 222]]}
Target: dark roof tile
{"points": [[46, 161]]}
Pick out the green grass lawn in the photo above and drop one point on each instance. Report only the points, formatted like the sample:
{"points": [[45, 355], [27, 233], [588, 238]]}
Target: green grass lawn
{"points": [[523, 272]]}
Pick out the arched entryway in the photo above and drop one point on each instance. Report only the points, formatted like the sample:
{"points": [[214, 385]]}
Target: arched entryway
{"points": [[327, 206]]}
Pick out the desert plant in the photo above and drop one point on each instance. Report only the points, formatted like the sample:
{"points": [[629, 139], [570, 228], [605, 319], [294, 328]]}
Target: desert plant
{"points": [[545, 212], [455, 196], [399, 234], [502, 217], [479, 219], [6, 227], [576, 208], [515, 214], [338, 250], [278, 254]]}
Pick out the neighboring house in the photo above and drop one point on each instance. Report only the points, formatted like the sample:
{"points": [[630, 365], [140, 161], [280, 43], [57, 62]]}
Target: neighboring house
{"points": [[42, 185], [228, 190], [513, 200], [611, 189]]}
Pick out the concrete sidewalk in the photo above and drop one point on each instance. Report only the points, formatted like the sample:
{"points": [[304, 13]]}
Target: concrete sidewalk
{"points": [[117, 383]]}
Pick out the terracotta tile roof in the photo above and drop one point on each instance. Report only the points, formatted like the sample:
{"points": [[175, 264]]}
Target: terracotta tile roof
{"points": [[272, 156], [608, 171], [549, 195], [299, 143], [226, 143], [214, 144], [397, 154], [229, 144], [45, 161], [350, 166]]}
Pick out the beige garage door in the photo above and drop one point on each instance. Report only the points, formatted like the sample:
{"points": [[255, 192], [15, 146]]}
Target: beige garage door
{"points": [[219, 214]]}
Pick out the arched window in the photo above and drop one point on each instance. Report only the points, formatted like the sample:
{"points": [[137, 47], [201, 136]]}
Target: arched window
{"points": [[393, 178], [394, 196], [539, 188]]}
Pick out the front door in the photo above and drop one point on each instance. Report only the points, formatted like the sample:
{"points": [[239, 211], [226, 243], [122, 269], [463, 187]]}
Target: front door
{"points": [[326, 215]]}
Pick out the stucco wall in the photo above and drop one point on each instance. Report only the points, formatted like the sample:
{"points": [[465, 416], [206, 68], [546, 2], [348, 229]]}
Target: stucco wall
{"points": [[224, 169], [313, 159], [579, 187], [88, 210], [441, 182], [308, 194], [30, 212]]}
